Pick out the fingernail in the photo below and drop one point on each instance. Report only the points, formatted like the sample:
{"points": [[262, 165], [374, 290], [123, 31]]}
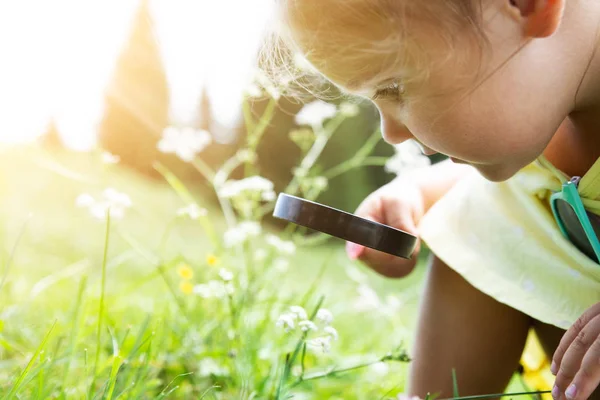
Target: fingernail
{"points": [[554, 368], [571, 391], [354, 250], [555, 392]]}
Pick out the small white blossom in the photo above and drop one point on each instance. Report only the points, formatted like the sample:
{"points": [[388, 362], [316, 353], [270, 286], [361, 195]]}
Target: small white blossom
{"points": [[260, 255], [209, 366], [403, 396], [246, 155], [234, 188], [325, 316], [331, 331], [380, 368], [241, 233], [349, 109], [299, 312], [265, 353], [321, 343], [283, 246], [213, 289], [186, 143], [111, 199], [281, 264], [315, 113], [269, 196], [307, 325], [408, 157], [109, 158], [320, 183], [193, 211], [84, 200], [225, 275], [286, 321]]}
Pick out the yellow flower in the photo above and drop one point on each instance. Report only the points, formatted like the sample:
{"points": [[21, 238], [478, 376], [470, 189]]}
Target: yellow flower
{"points": [[185, 272], [212, 260], [536, 367], [186, 287]]}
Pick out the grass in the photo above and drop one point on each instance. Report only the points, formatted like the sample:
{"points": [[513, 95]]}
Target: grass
{"points": [[92, 309]]}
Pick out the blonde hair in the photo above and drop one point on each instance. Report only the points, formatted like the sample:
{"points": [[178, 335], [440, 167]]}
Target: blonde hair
{"points": [[297, 31]]}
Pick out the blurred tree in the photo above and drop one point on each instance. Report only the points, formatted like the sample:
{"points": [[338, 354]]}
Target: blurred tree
{"points": [[51, 138], [137, 106], [136, 99]]}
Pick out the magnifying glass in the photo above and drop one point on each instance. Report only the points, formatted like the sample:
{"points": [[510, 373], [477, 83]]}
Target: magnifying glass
{"points": [[344, 225]]}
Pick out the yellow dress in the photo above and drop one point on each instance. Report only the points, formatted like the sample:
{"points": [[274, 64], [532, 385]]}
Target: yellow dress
{"points": [[503, 239]]}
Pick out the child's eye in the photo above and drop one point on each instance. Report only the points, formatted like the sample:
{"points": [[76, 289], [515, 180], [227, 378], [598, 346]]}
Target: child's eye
{"points": [[391, 92]]}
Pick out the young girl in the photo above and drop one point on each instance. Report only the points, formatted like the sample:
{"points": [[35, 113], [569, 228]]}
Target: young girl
{"points": [[510, 89]]}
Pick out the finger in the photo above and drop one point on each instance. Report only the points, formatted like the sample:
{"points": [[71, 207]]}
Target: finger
{"points": [[571, 334], [572, 360], [587, 378]]}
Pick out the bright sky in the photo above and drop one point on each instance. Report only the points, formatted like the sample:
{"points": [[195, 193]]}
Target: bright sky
{"points": [[58, 55]]}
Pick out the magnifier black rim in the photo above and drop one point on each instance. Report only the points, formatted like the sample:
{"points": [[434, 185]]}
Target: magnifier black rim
{"points": [[384, 238]]}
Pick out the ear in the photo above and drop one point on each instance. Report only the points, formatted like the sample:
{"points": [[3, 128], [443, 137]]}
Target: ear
{"points": [[540, 18]]}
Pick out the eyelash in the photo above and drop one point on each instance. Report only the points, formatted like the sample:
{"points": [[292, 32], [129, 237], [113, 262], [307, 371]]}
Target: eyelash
{"points": [[394, 91]]}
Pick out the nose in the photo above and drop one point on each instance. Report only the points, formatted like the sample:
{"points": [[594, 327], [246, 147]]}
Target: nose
{"points": [[393, 131]]}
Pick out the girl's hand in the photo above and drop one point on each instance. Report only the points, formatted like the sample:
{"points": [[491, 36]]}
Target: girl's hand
{"points": [[398, 204], [576, 362]]}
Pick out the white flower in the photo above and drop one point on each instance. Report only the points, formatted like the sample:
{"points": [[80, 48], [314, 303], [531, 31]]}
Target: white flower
{"points": [[299, 312], [109, 158], [320, 183], [408, 157], [185, 142], [286, 321], [332, 332], [225, 275], [321, 343], [213, 289], [260, 255], [234, 188], [265, 353], [281, 264], [193, 211], [349, 109], [306, 326], [325, 316], [241, 233], [283, 246], [315, 113], [203, 290], [380, 368], [209, 366], [403, 396], [84, 200], [111, 199], [269, 196]]}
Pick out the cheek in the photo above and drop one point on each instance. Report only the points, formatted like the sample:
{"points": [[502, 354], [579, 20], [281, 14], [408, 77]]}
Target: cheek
{"points": [[479, 133]]}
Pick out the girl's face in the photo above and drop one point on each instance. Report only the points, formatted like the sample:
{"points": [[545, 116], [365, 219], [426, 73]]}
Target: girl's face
{"points": [[495, 106]]}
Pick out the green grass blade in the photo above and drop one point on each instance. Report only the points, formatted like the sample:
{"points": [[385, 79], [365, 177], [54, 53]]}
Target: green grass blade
{"points": [[74, 331], [187, 197], [101, 307], [454, 384], [23, 375]]}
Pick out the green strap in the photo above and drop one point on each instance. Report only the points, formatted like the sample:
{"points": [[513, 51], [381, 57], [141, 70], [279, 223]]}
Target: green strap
{"points": [[589, 186]]}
